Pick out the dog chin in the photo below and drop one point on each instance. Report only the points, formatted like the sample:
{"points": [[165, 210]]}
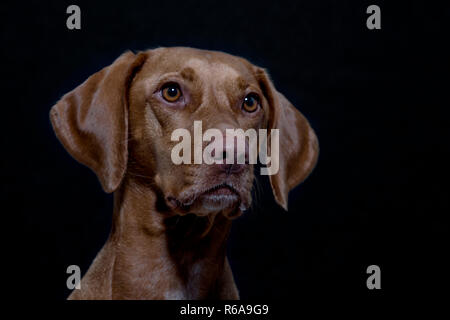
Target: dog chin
{"points": [[220, 198], [229, 206]]}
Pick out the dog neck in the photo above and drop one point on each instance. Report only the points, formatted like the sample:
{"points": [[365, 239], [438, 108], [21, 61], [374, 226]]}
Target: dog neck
{"points": [[159, 253]]}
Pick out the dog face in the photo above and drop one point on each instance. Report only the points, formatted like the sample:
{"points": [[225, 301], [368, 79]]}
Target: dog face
{"points": [[120, 123], [207, 87]]}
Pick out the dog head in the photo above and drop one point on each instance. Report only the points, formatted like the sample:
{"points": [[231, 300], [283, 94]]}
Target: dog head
{"points": [[120, 123]]}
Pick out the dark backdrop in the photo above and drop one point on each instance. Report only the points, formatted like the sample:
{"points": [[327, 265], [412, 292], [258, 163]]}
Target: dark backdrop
{"points": [[377, 100]]}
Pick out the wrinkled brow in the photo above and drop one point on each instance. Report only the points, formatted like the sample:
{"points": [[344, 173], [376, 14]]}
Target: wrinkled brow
{"points": [[188, 74], [241, 83]]}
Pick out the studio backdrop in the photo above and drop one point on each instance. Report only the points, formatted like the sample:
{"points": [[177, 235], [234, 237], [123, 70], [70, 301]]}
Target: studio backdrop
{"points": [[368, 218]]}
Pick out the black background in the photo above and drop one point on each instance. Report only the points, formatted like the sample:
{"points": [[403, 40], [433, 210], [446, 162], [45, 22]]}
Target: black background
{"points": [[377, 100]]}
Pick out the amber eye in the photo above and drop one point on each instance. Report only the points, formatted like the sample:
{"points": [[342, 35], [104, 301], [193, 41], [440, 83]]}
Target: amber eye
{"points": [[251, 102], [171, 92]]}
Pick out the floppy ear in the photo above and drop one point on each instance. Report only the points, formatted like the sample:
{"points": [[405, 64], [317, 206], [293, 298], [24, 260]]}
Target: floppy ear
{"points": [[92, 120], [299, 147]]}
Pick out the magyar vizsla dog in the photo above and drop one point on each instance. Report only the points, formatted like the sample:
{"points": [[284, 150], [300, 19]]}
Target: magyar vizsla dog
{"points": [[171, 221]]}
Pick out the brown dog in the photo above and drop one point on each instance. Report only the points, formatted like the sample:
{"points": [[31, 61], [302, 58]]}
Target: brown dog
{"points": [[171, 222]]}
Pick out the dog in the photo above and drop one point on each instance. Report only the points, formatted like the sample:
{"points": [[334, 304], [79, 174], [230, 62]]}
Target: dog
{"points": [[171, 222]]}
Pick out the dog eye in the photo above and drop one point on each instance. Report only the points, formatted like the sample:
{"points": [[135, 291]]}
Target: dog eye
{"points": [[171, 92], [251, 102]]}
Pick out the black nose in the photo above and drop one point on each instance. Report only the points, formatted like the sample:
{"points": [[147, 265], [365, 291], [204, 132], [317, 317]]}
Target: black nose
{"points": [[230, 168]]}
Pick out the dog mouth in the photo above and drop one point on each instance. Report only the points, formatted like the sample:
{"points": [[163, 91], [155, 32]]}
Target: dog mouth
{"points": [[220, 190], [219, 197]]}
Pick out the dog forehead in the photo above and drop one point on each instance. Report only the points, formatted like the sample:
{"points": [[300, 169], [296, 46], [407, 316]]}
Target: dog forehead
{"points": [[214, 70], [210, 66]]}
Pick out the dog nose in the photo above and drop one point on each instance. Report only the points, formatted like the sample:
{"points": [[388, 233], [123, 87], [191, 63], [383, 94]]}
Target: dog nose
{"points": [[233, 153], [230, 168]]}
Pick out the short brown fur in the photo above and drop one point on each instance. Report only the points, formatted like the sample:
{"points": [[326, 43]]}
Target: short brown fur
{"points": [[165, 243]]}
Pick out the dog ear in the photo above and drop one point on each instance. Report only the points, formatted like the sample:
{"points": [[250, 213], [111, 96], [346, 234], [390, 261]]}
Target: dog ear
{"points": [[299, 147], [92, 120]]}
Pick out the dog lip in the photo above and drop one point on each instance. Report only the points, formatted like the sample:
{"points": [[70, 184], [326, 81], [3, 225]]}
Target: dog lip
{"points": [[219, 197], [185, 205], [222, 188]]}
